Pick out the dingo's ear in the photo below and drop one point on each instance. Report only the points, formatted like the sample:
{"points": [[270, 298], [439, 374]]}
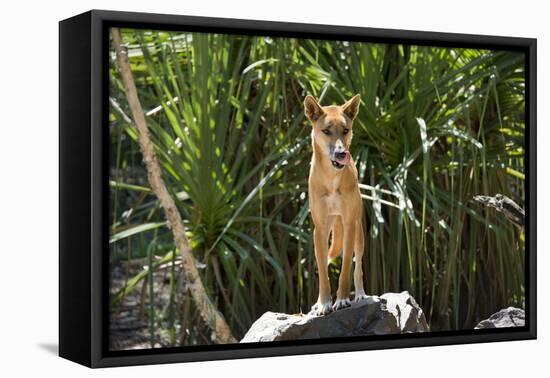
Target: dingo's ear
{"points": [[351, 108], [312, 108]]}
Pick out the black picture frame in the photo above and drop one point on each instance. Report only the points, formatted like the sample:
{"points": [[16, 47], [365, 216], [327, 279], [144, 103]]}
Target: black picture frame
{"points": [[83, 193]]}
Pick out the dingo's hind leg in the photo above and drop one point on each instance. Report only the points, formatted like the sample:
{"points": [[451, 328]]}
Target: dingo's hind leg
{"points": [[337, 239]]}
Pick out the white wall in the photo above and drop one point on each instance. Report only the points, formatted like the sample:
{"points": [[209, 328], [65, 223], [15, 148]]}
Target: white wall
{"points": [[28, 210]]}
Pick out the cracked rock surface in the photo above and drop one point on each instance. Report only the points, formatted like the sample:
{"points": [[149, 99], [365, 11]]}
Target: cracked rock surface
{"points": [[391, 313], [505, 318]]}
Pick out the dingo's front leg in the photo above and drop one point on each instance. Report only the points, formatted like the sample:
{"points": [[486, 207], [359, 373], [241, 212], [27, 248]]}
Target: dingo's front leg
{"points": [[342, 295], [358, 274], [320, 239]]}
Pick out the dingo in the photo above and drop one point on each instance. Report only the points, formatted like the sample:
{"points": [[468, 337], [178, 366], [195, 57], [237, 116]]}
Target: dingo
{"points": [[335, 201]]}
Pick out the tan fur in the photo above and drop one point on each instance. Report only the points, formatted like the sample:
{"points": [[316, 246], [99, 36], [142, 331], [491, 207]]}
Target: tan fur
{"points": [[335, 202]]}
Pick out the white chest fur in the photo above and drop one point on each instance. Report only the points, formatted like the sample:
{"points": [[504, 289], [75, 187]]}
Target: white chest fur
{"points": [[334, 203]]}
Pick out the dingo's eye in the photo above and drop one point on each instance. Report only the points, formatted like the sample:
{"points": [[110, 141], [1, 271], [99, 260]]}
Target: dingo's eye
{"points": [[346, 131], [326, 131]]}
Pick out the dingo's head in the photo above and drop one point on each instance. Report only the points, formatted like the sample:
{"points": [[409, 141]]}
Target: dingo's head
{"points": [[332, 128]]}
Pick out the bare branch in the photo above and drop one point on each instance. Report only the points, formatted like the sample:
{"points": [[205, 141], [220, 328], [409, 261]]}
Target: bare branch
{"points": [[506, 206]]}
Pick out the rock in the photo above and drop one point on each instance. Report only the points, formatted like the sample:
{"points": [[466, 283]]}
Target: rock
{"points": [[507, 317], [391, 313]]}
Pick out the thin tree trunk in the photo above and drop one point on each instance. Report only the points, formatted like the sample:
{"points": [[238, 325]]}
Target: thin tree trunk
{"points": [[208, 311]]}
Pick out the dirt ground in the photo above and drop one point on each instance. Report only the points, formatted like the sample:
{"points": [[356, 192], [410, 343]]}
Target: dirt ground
{"points": [[129, 319]]}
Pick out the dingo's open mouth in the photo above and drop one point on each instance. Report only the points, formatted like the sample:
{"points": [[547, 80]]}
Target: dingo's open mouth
{"points": [[341, 159]]}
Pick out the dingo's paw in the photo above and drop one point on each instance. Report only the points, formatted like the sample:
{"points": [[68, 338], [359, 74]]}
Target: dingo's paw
{"points": [[320, 308], [360, 296], [341, 303]]}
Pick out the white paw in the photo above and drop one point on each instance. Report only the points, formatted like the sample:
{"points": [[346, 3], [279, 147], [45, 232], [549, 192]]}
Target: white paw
{"points": [[360, 296], [320, 308], [341, 303]]}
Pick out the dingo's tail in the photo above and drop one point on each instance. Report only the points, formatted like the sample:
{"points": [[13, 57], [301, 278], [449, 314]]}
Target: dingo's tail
{"points": [[337, 242]]}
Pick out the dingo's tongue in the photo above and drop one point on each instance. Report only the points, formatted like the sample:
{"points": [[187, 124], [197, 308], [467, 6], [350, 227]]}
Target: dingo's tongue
{"points": [[345, 159]]}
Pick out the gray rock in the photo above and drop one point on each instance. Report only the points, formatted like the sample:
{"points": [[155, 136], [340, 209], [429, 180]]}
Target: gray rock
{"points": [[505, 318], [391, 313]]}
